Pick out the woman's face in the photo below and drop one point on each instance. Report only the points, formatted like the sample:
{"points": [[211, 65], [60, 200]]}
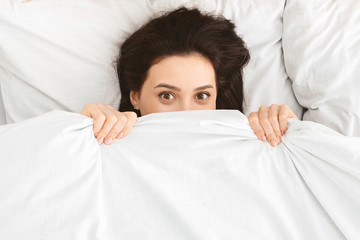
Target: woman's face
{"points": [[177, 83]]}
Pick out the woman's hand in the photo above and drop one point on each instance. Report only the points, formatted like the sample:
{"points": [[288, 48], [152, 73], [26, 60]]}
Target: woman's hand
{"points": [[270, 123], [109, 123]]}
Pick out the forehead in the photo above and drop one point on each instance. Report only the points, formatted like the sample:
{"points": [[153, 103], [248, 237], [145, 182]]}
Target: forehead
{"points": [[189, 71]]}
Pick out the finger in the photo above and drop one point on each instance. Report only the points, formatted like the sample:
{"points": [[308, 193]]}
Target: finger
{"points": [[117, 128], [92, 110], [111, 120], [131, 120], [255, 126], [85, 110], [99, 117], [284, 114], [266, 125], [274, 120]]}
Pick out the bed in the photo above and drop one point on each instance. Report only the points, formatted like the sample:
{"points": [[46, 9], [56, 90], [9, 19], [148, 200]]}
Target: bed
{"points": [[208, 178]]}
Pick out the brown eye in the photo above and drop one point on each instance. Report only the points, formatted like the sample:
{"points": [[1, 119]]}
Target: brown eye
{"points": [[166, 96], [202, 96]]}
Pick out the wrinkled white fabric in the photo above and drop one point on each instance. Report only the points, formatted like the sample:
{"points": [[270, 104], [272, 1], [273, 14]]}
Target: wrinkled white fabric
{"points": [[321, 43], [178, 175]]}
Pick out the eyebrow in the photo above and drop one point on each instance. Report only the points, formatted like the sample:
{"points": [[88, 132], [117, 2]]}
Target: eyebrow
{"points": [[204, 87], [178, 89]]}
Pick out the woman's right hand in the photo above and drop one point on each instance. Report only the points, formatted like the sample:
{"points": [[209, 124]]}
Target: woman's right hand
{"points": [[109, 123]]}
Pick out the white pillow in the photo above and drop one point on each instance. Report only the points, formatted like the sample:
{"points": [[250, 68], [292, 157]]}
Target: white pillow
{"points": [[2, 109], [60, 54], [321, 47]]}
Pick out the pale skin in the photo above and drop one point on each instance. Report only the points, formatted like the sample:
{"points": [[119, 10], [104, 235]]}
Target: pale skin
{"points": [[181, 83]]}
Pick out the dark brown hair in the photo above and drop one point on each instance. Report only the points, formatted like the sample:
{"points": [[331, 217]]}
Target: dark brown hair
{"points": [[182, 32]]}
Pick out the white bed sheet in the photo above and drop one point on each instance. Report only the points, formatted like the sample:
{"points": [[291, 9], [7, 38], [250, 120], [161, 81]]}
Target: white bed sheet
{"points": [[180, 175]]}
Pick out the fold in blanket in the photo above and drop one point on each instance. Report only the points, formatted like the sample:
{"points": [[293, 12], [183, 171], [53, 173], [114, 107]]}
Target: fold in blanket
{"points": [[178, 175]]}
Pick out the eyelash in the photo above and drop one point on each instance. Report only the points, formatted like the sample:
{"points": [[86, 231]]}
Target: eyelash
{"points": [[206, 93], [162, 94]]}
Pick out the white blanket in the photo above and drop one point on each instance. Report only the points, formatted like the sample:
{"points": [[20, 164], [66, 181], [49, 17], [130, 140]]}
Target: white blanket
{"points": [[180, 175]]}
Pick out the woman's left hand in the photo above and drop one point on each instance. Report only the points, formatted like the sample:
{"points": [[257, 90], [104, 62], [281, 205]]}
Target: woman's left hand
{"points": [[270, 123]]}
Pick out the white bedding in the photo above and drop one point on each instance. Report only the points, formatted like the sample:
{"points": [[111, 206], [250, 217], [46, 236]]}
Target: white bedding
{"points": [[61, 54], [180, 175]]}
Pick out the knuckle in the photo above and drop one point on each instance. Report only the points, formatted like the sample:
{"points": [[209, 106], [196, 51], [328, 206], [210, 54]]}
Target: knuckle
{"points": [[253, 115], [89, 105], [253, 119], [112, 119], [123, 119], [101, 118], [263, 120], [274, 106], [109, 106], [263, 107], [282, 117], [273, 119], [133, 114], [284, 106]]}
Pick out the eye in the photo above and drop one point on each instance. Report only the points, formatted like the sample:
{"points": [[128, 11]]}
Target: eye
{"points": [[202, 96], [166, 96]]}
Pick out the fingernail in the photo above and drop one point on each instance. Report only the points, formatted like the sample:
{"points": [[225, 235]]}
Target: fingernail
{"points": [[273, 142], [263, 138], [121, 135], [100, 140], [108, 140]]}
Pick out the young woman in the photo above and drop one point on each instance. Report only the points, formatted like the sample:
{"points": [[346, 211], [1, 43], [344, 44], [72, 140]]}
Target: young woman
{"points": [[183, 60]]}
